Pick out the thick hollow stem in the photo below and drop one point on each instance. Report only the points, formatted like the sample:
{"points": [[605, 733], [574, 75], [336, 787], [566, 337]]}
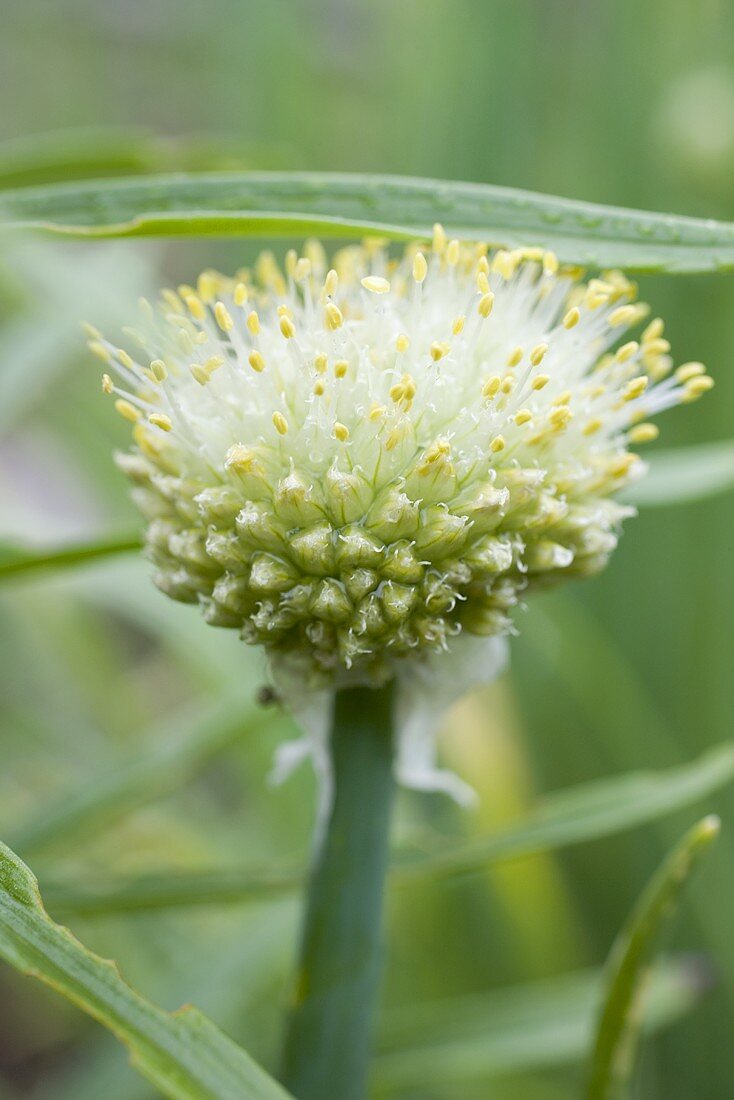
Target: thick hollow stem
{"points": [[328, 1040]]}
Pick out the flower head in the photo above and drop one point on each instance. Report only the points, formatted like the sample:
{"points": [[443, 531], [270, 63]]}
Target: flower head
{"points": [[350, 466]]}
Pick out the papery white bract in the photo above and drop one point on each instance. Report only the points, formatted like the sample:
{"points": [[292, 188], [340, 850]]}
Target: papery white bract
{"points": [[352, 466]]}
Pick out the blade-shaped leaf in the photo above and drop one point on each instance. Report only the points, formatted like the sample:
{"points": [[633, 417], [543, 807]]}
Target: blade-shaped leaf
{"points": [[183, 1054], [482, 1036], [685, 474], [336, 205], [586, 812], [18, 561], [629, 966]]}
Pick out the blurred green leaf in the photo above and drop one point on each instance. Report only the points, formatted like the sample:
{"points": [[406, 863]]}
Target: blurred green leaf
{"points": [[539, 1025], [585, 812], [183, 1054], [630, 963], [685, 474], [17, 561], [335, 205]]}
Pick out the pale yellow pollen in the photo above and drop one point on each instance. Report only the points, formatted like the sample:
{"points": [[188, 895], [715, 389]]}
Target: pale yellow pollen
{"points": [[200, 373], [492, 386], [302, 269], [240, 295], [320, 363], [126, 410], [485, 304], [207, 285], [160, 420], [98, 348], [508, 384], [458, 326], [213, 363], [515, 357], [563, 398], [654, 330], [643, 433], [483, 265], [92, 332], [505, 263], [550, 263], [241, 458], [621, 466], [627, 351], [253, 322], [108, 386], [439, 238], [341, 432], [696, 387], [453, 251], [223, 317], [592, 426], [195, 306], [334, 318], [287, 328], [622, 315], [402, 343], [420, 267], [689, 370], [124, 359], [341, 366], [658, 346], [376, 413], [375, 284], [256, 361], [523, 416], [560, 416], [318, 389], [172, 300], [284, 311], [404, 390], [439, 351], [497, 444], [330, 283], [482, 282], [572, 318], [291, 259], [539, 381], [280, 422], [159, 370], [635, 388], [538, 354]]}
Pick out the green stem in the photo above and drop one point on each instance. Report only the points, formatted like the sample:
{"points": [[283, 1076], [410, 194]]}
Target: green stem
{"points": [[328, 1039]]}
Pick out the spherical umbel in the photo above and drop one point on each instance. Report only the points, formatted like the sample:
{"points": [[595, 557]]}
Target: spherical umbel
{"points": [[350, 466]]}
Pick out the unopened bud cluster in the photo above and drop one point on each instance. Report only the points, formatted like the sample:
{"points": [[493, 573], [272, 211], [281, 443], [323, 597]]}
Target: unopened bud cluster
{"points": [[349, 465]]}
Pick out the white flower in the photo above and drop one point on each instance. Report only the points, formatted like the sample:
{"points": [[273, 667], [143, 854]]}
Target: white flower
{"points": [[351, 467]]}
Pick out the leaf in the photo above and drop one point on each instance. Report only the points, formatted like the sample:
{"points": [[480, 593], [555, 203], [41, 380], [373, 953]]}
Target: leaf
{"points": [[538, 1025], [585, 812], [335, 205], [18, 561], [183, 1054], [630, 961], [685, 474]]}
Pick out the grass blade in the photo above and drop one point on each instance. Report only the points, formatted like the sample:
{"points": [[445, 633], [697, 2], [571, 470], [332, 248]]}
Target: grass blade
{"points": [[585, 812], [18, 561], [630, 962], [337, 205], [685, 474], [183, 1054]]}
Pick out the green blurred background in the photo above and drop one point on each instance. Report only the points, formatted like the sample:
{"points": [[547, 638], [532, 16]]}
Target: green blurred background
{"points": [[627, 103]]}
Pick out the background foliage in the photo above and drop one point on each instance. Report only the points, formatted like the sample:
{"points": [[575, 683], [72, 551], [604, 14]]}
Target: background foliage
{"points": [[108, 766]]}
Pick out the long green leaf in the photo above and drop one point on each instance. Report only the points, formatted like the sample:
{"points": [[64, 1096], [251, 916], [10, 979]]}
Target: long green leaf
{"points": [[685, 474], [184, 1054], [586, 812], [630, 963], [18, 561], [334, 205], [543, 1024]]}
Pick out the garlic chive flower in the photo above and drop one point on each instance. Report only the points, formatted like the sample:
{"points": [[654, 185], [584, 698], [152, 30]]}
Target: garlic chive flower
{"points": [[352, 464]]}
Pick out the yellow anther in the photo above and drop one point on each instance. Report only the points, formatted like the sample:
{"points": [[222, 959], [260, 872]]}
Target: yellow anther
{"points": [[256, 361], [482, 282], [572, 318], [515, 357], [623, 315], [560, 416], [253, 322], [627, 351], [485, 304], [160, 420], [538, 354], [483, 264], [280, 422], [505, 263], [98, 348], [621, 466], [458, 326], [375, 284], [334, 318], [497, 444], [320, 363], [696, 387], [341, 432], [439, 351], [126, 410], [90, 331], [550, 263], [172, 300], [200, 373], [287, 328], [330, 283], [420, 267], [658, 346], [214, 362], [318, 389], [240, 458], [592, 426], [539, 381], [402, 343], [643, 433], [159, 370], [492, 386], [439, 238], [439, 449], [508, 384], [207, 285], [340, 368], [689, 370], [563, 398], [523, 416], [654, 330], [108, 386], [635, 388], [284, 311], [240, 295], [124, 359], [302, 269], [291, 259], [376, 413], [453, 251]]}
